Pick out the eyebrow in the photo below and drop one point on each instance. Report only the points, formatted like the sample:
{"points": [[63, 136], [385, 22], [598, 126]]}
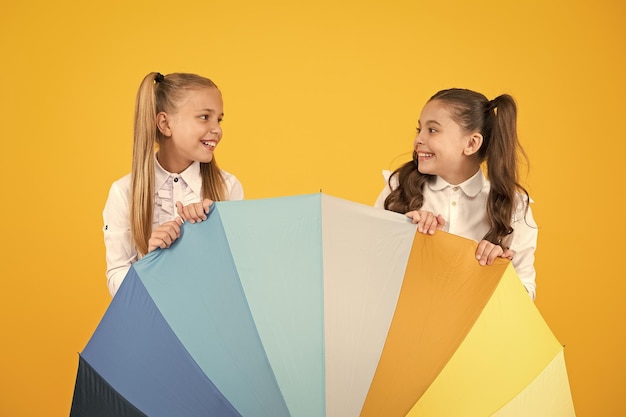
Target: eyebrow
{"points": [[210, 111], [430, 121]]}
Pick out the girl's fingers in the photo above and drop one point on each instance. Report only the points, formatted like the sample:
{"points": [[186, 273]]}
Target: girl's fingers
{"points": [[440, 222], [414, 216], [426, 221], [493, 254], [195, 212], [482, 251], [164, 235], [206, 204], [487, 252], [429, 223], [181, 210], [434, 224], [199, 210]]}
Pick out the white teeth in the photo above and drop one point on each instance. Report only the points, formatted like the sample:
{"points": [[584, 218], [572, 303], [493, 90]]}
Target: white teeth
{"points": [[424, 155], [209, 143]]}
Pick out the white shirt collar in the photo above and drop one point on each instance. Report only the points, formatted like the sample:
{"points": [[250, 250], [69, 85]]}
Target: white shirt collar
{"points": [[191, 176], [470, 187]]}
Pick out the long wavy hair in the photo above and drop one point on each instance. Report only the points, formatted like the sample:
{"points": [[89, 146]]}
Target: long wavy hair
{"points": [[158, 93], [496, 120]]}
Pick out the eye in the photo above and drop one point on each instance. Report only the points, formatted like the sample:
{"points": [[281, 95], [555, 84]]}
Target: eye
{"points": [[204, 117], [418, 130], [219, 120], [431, 130]]}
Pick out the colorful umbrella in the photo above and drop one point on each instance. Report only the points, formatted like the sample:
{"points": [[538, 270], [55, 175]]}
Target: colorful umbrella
{"points": [[317, 306]]}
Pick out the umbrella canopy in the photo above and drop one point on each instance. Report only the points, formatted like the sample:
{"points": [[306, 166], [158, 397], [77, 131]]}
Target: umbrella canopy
{"points": [[317, 306]]}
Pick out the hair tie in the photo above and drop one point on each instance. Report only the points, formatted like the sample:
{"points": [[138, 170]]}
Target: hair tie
{"points": [[492, 105], [159, 77]]}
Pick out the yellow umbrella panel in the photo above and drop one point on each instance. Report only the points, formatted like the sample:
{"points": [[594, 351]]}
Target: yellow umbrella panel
{"points": [[478, 345]]}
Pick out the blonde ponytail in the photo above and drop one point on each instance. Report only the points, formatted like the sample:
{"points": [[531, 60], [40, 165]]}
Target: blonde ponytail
{"points": [[142, 174]]}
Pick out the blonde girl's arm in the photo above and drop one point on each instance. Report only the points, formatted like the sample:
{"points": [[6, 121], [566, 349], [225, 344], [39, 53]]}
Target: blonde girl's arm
{"points": [[120, 251]]}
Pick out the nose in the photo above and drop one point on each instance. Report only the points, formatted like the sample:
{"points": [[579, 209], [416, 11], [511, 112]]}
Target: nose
{"points": [[217, 130], [418, 141]]}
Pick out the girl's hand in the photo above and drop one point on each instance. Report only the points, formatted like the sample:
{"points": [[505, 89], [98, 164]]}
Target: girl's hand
{"points": [[487, 252], [165, 234], [195, 212], [426, 221], [508, 254]]}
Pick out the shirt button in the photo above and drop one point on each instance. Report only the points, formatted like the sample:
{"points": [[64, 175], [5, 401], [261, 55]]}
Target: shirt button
{"points": [[455, 189], [176, 179], [453, 203]]}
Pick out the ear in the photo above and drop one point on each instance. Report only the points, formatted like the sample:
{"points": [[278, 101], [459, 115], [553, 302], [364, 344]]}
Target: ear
{"points": [[473, 144], [163, 124]]}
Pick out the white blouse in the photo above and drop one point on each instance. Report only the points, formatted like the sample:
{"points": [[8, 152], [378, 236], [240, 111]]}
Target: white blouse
{"points": [[185, 187], [463, 207]]}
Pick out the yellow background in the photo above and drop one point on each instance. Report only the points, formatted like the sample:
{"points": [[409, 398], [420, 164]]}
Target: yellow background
{"points": [[318, 95]]}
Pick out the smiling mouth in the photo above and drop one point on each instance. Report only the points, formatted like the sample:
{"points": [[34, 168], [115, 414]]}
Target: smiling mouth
{"points": [[209, 143], [425, 155]]}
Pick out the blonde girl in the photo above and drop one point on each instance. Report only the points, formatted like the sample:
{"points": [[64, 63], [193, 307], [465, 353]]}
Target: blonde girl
{"points": [[174, 176], [444, 188]]}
